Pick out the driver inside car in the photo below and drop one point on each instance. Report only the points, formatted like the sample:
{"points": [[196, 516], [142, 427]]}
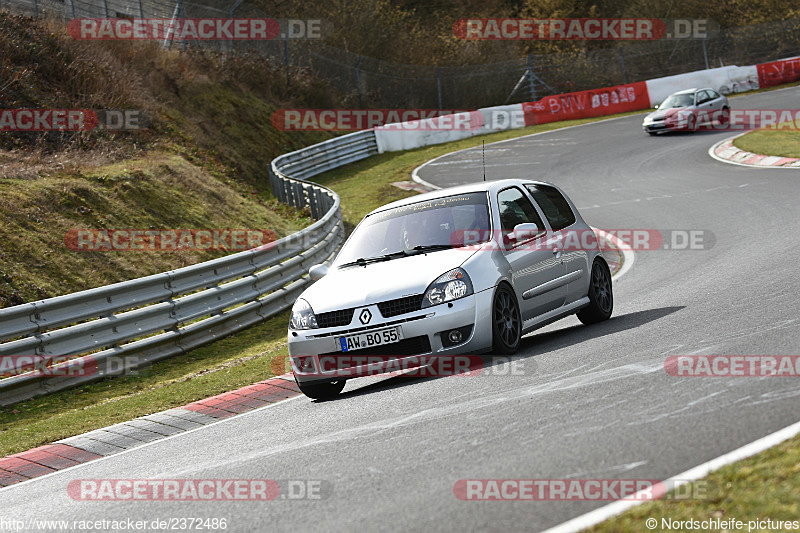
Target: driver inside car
{"points": [[414, 234]]}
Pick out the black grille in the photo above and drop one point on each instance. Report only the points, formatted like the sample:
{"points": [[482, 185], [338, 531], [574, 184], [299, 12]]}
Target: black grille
{"points": [[334, 319], [409, 346], [401, 305]]}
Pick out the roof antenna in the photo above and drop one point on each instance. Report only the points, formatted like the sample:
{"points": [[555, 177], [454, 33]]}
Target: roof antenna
{"points": [[483, 157]]}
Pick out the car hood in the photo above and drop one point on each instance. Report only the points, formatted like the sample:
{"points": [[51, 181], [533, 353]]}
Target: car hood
{"points": [[659, 114], [355, 286]]}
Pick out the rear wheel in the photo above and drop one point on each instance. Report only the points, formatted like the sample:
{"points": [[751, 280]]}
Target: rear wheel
{"points": [[321, 390], [601, 296], [506, 321]]}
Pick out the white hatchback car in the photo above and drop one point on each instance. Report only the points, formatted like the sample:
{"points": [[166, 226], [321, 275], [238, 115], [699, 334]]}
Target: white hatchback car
{"points": [[464, 270]]}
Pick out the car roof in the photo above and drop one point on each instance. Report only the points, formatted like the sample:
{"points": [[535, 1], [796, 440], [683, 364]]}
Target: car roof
{"points": [[478, 186], [688, 91]]}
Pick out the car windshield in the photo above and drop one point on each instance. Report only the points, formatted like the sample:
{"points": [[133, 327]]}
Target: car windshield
{"points": [[441, 223], [678, 100]]}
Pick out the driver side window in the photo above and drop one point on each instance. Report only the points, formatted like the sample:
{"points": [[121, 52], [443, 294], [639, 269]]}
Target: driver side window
{"points": [[515, 208]]}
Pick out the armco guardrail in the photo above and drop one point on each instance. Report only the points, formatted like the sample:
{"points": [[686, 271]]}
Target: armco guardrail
{"points": [[129, 325]]}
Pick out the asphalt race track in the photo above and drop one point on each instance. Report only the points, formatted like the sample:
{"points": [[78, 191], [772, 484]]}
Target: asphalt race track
{"points": [[584, 403]]}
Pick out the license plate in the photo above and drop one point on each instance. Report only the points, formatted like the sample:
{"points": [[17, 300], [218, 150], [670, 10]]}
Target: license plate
{"points": [[369, 340]]}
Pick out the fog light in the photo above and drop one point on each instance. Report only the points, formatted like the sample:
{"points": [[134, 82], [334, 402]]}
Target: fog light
{"points": [[451, 337]]}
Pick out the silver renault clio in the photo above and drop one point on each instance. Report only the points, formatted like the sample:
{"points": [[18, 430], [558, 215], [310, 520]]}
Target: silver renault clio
{"points": [[464, 270]]}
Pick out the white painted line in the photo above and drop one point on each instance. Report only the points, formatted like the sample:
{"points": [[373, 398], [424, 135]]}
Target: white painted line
{"points": [[741, 154], [700, 471]]}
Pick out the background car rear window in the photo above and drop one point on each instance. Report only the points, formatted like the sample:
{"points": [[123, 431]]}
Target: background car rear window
{"points": [[515, 208], [554, 206]]}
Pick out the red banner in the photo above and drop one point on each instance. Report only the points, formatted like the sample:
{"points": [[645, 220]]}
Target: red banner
{"points": [[778, 72], [586, 104]]}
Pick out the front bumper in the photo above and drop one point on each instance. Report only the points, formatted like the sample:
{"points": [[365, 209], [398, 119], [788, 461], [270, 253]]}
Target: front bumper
{"points": [[421, 331], [655, 127]]}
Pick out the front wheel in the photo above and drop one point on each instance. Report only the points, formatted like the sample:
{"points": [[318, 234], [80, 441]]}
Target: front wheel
{"points": [[601, 296], [321, 390], [724, 116], [692, 123], [506, 321]]}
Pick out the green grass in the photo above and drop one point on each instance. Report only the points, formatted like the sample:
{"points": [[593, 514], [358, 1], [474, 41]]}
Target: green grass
{"points": [[783, 143], [160, 191], [759, 487], [779, 142]]}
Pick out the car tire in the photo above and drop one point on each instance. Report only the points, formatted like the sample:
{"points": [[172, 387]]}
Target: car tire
{"points": [[601, 295], [323, 390], [692, 123], [726, 114], [506, 321]]}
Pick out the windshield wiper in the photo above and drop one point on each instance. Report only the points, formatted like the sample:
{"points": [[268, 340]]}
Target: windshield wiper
{"points": [[364, 261], [421, 249], [432, 247]]}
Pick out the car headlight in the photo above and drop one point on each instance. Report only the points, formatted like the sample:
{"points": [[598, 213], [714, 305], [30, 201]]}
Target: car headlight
{"points": [[648, 121], [302, 316], [450, 286]]}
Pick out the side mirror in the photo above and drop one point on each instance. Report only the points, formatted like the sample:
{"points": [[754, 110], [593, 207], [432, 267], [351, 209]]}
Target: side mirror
{"points": [[317, 272], [522, 232]]}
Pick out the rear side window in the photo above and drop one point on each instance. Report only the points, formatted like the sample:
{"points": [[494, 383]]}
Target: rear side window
{"points": [[554, 206], [515, 208]]}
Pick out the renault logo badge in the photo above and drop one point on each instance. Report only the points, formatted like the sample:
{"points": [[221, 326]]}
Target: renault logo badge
{"points": [[365, 316]]}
